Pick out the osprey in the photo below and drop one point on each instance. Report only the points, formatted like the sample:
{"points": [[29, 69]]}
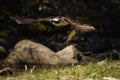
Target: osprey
{"points": [[59, 21]]}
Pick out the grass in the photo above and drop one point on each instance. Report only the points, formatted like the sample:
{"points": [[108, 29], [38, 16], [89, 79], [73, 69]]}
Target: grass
{"points": [[90, 71]]}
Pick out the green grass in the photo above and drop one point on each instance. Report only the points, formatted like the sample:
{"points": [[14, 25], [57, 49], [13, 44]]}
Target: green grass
{"points": [[87, 71]]}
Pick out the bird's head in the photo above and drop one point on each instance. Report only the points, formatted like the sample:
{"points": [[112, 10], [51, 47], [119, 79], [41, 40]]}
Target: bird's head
{"points": [[85, 28], [82, 28]]}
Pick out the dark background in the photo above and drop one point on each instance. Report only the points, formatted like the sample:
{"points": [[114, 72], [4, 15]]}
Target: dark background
{"points": [[102, 14]]}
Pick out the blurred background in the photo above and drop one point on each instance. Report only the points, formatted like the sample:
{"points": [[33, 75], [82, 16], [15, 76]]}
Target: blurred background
{"points": [[102, 14]]}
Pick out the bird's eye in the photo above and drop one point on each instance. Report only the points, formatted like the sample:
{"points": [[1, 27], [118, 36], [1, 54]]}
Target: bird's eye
{"points": [[55, 20]]}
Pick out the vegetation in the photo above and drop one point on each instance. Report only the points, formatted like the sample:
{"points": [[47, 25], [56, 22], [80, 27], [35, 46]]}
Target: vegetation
{"points": [[102, 14], [90, 71]]}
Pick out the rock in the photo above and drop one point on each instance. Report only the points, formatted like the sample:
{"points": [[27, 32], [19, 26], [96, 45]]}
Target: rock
{"points": [[115, 42], [112, 54], [100, 63], [70, 52], [2, 49], [109, 78], [27, 52], [6, 71], [2, 53], [99, 45]]}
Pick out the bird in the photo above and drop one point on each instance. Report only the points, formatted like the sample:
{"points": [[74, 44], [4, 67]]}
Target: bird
{"points": [[77, 27], [56, 21], [59, 21], [82, 28], [19, 20]]}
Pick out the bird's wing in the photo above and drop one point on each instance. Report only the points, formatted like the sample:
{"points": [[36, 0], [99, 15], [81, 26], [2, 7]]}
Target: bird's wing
{"points": [[19, 20], [71, 35]]}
